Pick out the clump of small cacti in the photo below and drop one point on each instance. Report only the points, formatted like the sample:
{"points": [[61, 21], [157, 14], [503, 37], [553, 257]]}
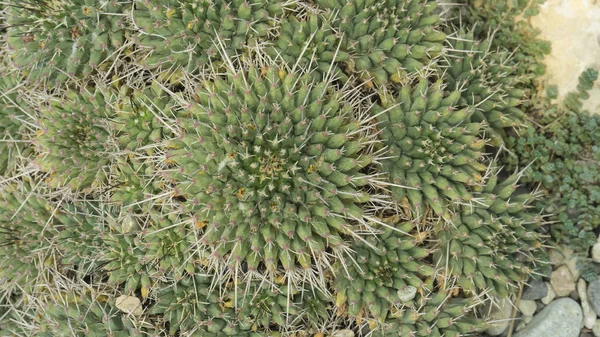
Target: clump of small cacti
{"points": [[257, 168], [53, 41]]}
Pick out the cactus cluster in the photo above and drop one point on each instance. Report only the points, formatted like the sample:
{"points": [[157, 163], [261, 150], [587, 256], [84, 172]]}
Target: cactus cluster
{"points": [[258, 168], [53, 41], [435, 152]]}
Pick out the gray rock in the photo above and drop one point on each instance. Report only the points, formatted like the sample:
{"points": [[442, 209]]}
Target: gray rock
{"points": [[562, 281], [129, 304], [499, 317], [527, 319], [407, 294], [535, 290], [561, 318], [593, 292], [540, 306]]}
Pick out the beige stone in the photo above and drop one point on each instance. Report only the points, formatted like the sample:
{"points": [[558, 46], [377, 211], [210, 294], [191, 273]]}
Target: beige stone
{"points": [[129, 304], [562, 281]]}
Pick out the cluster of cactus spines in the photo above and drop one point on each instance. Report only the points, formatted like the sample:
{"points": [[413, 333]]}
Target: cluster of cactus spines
{"points": [[386, 40], [270, 163], [27, 228], [228, 163], [86, 314], [370, 286], [193, 34], [436, 314], [487, 81], [57, 40], [434, 153], [75, 140], [490, 245], [13, 123]]}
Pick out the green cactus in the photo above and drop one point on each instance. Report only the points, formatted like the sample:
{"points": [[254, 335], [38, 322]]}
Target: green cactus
{"points": [[491, 244], [487, 80], [13, 129], [436, 315], [385, 265], [386, 40], [61, 39], [75, 140], [187, 304], [26, 227], [434, 154], [86, 314], [270, 164], [146, 248], [193, 34]]}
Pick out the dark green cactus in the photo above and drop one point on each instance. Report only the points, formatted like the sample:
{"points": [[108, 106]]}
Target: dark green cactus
{"points": [[487, 80], [393, 262], [386, 40], [490, 244], [270, 163], [434, 153], [57, 40], [75, 140], [193, 34]]}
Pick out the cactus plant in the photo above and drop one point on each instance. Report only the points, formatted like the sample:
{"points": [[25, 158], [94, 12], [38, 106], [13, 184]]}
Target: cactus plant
{"points": [[487, 80], [57, 40], [270, 164], [193, 34], [490, 244], [75, 140], [434, 152]]}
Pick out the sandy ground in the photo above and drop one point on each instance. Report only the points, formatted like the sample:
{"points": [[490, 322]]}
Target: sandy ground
{"points": [[573, 27]]}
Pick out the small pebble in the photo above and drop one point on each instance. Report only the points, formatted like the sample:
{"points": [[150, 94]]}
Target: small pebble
{"points": [[536, 290], [407, 294], [589, 316], [129, 304], [550, 296], [562, 281], [596, 253], [527, 307]]}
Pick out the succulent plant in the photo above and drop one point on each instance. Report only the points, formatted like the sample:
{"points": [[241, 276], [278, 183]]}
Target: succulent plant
{"points": [[188, 305], [270, 164], [435, 315], [75, 140], [385, 265], [562, 156], [57, 40], [488, 80], [434, 153], [26, 226], [85, 315], [385, 40], [148, 247], [193, 34], [13, 123], [381, 41], [491, 243]]}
